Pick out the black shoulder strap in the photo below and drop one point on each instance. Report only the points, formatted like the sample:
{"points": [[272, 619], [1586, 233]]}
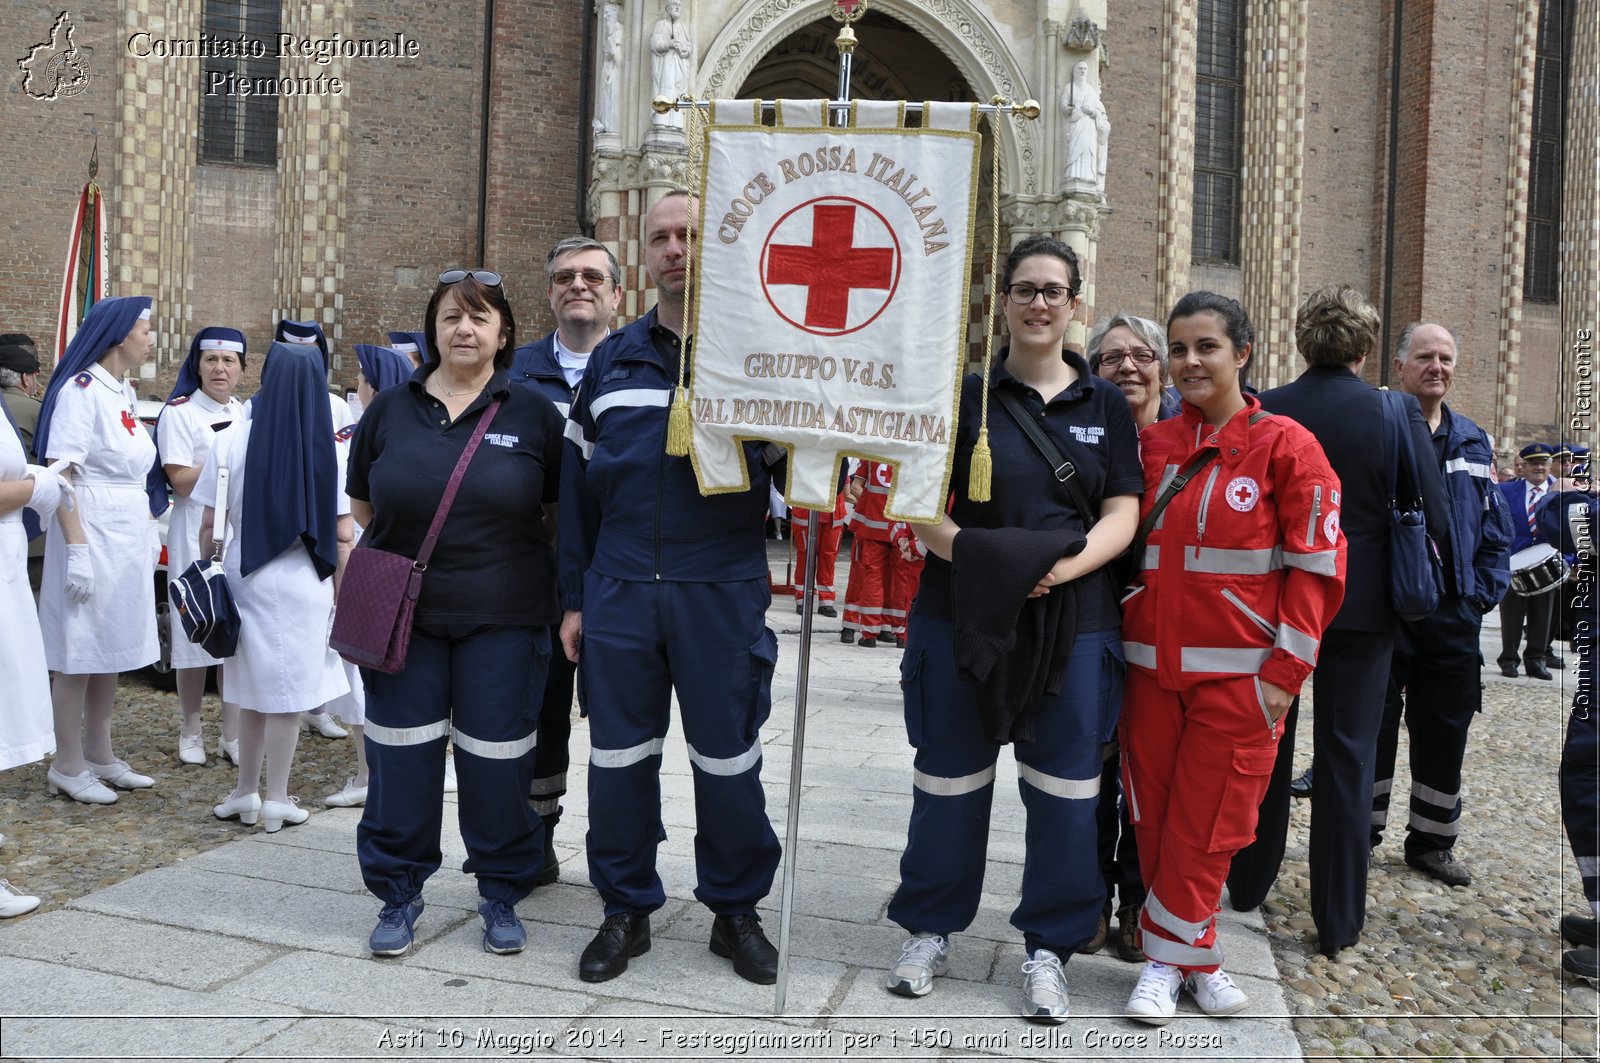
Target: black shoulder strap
{"points": [[1177, 483], [1065, 472]]}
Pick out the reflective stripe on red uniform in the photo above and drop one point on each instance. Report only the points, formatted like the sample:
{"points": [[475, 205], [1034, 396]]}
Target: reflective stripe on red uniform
{"points": [[867, 600]]}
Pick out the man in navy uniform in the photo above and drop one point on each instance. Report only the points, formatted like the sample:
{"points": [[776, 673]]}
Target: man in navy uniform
{"points": [[666, 590], [1524, 498], [1434, 671], [584, 288]]}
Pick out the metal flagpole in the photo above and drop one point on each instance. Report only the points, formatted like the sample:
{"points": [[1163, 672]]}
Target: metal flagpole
{"points": [[845, 12]]}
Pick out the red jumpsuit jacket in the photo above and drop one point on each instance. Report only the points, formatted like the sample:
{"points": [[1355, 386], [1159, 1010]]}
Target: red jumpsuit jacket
{"points": [[1245, 567]]}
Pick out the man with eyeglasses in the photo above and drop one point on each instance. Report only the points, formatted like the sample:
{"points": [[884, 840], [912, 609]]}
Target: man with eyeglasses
{"points": [[665, 590], [584, 289]]}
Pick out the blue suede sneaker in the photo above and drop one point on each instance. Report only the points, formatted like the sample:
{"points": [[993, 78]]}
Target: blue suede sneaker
{"points": [[502, 930], [394, 932]]}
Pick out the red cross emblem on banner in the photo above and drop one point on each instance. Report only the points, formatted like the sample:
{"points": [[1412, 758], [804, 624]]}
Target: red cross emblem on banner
{"points": [[128, 422], [830, 266]]}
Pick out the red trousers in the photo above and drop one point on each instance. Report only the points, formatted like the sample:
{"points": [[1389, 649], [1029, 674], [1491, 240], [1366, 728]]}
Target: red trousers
{"points": [[871, 581], [829, 532], [904, 578], [1196, 763]]}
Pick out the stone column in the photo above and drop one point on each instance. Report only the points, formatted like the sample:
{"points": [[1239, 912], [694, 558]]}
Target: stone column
{"points": [[1175, 209], [1514, 226], [312, 155], [1580, 222], [1272, 186], [155, 161]]}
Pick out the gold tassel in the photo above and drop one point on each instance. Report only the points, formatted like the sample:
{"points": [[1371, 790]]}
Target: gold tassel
{"points": [[980, 477], [678, 430]]}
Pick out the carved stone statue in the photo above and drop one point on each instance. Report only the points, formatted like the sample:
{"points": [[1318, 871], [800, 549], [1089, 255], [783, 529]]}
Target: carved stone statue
{"points": [[608, 98], [1088, 132], [670, 48]]}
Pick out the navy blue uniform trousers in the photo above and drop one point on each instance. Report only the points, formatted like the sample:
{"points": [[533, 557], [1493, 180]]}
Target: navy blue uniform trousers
{"points": [[1352, 674], [1580, 775], [942, 869], [550, 757], [482, 686], [709, 642], [1434, 681]]}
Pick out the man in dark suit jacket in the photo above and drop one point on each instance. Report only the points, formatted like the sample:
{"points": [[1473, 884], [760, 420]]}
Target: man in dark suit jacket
{"points": [[1526, 498], [1335, 330]]}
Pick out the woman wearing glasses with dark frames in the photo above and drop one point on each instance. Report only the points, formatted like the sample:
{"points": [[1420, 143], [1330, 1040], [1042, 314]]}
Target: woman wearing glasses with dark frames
{"points": [[1131, 352], [480, 649], [1023, 569]]}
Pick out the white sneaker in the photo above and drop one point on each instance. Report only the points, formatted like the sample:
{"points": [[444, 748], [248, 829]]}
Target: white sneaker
{"points": [[12, 903], [1155, 999], [1215, 993], [922, 958], [191, 749], [120, 774], [449, 773], [228, 749], [351, 796], [323, 723], [1044, 988]]}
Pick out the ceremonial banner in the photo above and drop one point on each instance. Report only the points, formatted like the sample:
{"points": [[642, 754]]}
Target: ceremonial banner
{"points": [[831, 296], [84, 282]]}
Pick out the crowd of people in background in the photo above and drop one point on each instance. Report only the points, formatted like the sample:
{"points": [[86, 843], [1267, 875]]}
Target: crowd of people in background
{"points": [[1158, 562]]}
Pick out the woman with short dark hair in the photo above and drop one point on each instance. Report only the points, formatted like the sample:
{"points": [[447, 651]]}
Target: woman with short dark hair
{"points": [[480, 648]]}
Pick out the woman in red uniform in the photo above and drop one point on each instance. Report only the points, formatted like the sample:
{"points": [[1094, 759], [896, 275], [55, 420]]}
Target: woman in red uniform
{"points": [[1243, 569]]}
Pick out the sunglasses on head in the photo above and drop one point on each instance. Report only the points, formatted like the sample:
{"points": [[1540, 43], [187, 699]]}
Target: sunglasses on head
{"points": [[482, 276]]}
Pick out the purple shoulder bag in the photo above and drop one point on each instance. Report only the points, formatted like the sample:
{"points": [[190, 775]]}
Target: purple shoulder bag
{"points": [[378, 594]]}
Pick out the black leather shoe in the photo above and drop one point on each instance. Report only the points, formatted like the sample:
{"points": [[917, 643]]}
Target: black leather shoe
{"points": [[1536, 670], [1440, 864], [827, 610], [621, 938], [1331, 950], [847, 636], [1584, 963], [739, 938], [1578, 929], [1508, 670], [868, 641], [799, 609], [1552, 660], [1301, 787]]}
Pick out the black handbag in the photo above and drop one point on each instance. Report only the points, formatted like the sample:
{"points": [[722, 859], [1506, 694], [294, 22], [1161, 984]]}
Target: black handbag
{"points": [[1416, 575], [201, 597]]}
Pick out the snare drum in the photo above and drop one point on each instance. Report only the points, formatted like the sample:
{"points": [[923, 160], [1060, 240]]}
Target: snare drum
{"points": [[1537, 569]]}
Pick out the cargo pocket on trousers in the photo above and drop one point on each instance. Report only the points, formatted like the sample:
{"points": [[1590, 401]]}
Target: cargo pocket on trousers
{"points": [[1246, 783], [763, 662], [1113, 671], [911, 694]]}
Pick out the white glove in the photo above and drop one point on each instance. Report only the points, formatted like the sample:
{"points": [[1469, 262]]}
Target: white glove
{"points": [[80, 573], [50, 489]]}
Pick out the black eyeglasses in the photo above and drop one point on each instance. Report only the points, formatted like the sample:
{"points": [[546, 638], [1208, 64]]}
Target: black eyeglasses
{"points": [[1139, 356], [592, 277], [482, 276], [1055, 295]]}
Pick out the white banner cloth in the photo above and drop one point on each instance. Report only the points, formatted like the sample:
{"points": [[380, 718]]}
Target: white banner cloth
{"points": [[831, 300]]}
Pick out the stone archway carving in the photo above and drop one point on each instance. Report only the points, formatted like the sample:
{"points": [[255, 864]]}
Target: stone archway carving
{"points": [[956, 27]]}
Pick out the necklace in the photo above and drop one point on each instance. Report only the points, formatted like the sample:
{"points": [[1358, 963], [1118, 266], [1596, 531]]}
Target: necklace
{"points": [[473, 390]]}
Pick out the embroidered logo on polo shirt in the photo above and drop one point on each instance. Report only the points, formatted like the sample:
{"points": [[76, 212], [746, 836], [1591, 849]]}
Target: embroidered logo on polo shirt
{"points": [[1090, 433], [501, 439], [1243, 493]]}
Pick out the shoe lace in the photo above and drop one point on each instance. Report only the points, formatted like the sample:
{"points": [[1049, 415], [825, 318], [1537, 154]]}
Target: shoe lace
{"points": [[392, 917], [616, 924], [499, 914], [924, 951], [1155, 984], [1216, 982], [7, 887], [1045, 973]]}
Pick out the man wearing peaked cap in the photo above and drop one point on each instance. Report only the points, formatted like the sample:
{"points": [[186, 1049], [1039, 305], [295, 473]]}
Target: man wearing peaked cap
{"points": [[1525, 497], [19, 379]]}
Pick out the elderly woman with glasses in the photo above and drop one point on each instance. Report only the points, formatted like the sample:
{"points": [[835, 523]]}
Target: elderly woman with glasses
{"points": [[480, 649], [1131, 352]]}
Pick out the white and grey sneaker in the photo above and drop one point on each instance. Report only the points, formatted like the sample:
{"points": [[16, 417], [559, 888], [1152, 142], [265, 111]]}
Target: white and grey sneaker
{"points": [[1215, 993], [922, 958], [1155, 999], [1044, 988]]}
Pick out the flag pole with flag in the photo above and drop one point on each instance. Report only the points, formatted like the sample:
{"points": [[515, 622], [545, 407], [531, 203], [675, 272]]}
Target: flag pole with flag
{"points": [[84, 280]]}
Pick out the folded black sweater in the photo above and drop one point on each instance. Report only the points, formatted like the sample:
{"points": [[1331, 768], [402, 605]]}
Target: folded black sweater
{"points": [[1013, 648]]}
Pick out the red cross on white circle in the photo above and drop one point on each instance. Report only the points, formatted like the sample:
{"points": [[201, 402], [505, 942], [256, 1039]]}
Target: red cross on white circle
{"points": [[1243, 493], [830, 266]]}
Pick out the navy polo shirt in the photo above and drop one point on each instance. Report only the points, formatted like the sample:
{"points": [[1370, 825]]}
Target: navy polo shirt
{"points": [[1090, 425], [494, 562]]}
